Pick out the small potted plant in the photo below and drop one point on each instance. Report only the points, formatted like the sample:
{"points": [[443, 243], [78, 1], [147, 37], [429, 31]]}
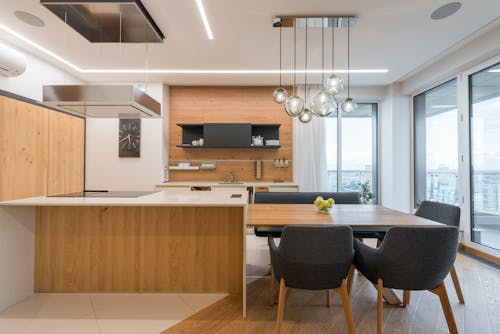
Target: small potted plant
{"points": [[366, 194]]}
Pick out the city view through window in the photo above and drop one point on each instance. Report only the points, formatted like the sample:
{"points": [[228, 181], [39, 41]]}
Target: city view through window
{"points": [[485, 156], [357, 150]]}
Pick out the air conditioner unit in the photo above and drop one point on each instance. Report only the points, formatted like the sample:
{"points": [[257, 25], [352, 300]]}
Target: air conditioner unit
{"points": [[12, 62]]}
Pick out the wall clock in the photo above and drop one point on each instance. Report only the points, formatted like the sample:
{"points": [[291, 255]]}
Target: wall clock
{"points": [[129, 138]]}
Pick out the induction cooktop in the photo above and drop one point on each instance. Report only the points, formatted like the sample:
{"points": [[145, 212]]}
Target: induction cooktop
{"points": [[105, 193]]}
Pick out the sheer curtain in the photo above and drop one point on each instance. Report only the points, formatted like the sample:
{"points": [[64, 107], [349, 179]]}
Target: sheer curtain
{"points": [[310, 170]]}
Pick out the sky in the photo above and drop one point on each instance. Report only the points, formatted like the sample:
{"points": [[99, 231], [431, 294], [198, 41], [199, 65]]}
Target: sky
{"points": [[356, 142]]}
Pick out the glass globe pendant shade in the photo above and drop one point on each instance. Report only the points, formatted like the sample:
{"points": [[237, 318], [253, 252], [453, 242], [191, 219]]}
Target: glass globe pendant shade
{"points": [[334, 84], [294, 106], [280, 95], [322, 103], [349, 105], [306, 116], [334, 106]]}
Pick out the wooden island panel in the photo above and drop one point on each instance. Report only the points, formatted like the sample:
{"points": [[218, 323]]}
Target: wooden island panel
{"points": [[139, 249]]}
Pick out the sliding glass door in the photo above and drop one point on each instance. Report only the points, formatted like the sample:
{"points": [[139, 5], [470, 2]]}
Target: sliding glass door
{"points": [[435, 120], [484, 96], [352, 155]]}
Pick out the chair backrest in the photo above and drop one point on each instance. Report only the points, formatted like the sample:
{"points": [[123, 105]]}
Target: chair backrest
{"points": [[417, 258], [305, 197], [314, 257], [439, 212]]}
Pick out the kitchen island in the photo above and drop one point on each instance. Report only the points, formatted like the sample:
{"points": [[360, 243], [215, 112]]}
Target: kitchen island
{"points": [[168, 241]]}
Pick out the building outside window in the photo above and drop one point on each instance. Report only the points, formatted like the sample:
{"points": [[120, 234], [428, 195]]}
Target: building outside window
{"points": [[352, 156], [435, 119]]}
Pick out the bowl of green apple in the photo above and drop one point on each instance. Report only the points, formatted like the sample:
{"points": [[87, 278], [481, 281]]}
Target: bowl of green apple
{"points": [[324, 205]]}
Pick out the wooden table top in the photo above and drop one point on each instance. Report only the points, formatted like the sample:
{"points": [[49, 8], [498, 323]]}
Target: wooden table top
{"points": [[341, 214]]}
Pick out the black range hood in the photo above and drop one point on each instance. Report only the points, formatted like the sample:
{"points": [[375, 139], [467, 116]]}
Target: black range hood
{"points": [[108, 21]]}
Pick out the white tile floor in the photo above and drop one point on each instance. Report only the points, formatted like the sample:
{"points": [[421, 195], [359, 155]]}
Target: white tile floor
{"points": [[50, 313]]}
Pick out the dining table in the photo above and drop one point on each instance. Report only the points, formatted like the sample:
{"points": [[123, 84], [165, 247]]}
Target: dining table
{"points": [[360, 217]]}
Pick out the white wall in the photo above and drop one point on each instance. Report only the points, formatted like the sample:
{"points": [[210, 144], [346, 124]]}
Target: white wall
{"points": [[395, 150], [105, 170], [461, 57], [17, 254], [38, 73]]}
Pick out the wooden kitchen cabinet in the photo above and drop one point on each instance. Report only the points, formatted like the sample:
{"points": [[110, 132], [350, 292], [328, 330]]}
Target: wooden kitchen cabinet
{"points": [[23, 149], [66, 153], [41, 150]]}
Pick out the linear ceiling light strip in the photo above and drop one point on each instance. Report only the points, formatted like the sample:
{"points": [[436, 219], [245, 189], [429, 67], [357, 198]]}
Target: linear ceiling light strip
{"points": [[166, 71], [204, 18]]}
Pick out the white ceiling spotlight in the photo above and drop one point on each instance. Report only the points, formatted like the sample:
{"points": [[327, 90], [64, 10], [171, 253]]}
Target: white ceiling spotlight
{"points": [[204, 18]]}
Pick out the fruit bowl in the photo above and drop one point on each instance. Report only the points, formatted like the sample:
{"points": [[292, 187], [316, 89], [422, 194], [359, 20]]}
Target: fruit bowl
{"points": [[324, 205]]}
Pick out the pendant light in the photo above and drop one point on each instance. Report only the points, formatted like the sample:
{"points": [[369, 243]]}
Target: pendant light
{"points": [[280, 94], [306, 115], [294, 105], [321, 103], [348, 105], [335, 83]]}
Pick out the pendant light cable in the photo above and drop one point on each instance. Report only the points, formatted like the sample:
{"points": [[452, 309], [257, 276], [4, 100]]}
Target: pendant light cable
{"points": [[322, 51], [348, 57], [294, 55], [305, 70], [333, 44], [281, 23]]}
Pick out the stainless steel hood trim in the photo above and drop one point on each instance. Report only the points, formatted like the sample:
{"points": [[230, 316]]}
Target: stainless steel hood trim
{"points": [[105, 26], [129, 97]]}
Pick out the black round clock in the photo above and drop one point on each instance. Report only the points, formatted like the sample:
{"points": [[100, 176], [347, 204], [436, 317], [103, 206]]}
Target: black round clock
{"points": [[129, 138]]}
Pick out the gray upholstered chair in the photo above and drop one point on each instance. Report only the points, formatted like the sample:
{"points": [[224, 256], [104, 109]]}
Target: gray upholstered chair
{"points": [[411, 258], [445, 214], [313, 258], [296, 198]]}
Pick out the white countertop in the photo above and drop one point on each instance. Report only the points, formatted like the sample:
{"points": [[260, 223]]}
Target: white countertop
{"points": [[168, 197], [219, 184]]}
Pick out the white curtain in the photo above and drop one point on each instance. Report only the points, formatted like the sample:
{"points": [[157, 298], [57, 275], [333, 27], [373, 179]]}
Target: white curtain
{"points": [[310, 169]]}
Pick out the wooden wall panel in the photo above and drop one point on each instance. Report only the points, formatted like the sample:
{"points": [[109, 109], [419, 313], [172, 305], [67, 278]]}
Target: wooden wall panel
{"points": [[23, 149], [66, 153], [139, 249], [228, 105]]}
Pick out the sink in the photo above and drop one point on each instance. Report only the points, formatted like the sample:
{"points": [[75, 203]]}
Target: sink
{"points": [[230, 182]]}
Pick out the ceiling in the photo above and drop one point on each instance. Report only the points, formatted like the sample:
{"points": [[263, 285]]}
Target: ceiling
{"points": [[390, 34]]}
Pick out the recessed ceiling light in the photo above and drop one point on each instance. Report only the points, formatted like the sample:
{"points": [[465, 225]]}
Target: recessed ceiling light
{"points": [[446, 10], [28, 18], [168, 71], [204, 18]]}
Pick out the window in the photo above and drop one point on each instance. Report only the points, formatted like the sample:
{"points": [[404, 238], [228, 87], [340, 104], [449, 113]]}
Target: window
{"points": [[436, 144], [484, 123], [357, 148]]}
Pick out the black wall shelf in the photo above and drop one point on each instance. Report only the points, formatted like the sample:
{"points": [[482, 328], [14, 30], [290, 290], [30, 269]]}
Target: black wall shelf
{"points": [[228, 135]]}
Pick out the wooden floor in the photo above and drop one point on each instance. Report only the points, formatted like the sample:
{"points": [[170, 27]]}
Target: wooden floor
{"points": [[305, 311]]}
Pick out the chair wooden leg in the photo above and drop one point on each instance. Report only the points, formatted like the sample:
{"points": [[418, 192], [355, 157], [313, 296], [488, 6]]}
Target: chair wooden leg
{"points": [[379, 242], [406, 297], [350, 278], [272, 288], [445, 303], [281, 306], [380, 295], [328, 298], [342, 291], [456, 283]]}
